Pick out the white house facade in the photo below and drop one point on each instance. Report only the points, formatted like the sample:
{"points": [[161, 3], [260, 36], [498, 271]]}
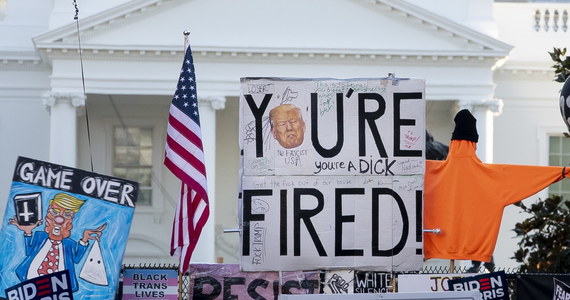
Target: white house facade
{"points": [[105, 108]]}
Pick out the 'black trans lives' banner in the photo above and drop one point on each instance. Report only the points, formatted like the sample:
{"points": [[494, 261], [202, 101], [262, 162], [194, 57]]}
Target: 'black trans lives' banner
{"points": [[332, 174]]}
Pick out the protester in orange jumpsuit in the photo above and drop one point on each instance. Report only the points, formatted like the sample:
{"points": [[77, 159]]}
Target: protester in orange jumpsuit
{"points": [[465, 198]]}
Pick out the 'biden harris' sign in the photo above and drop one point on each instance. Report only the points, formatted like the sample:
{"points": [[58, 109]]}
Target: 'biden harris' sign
{"points": [[332, 173]]}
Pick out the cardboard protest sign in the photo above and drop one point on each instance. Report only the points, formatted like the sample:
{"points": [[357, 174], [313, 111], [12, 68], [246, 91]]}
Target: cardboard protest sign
{"points": [[332, 126], [150, 284], [51, 286], [356, 282], [364, 222], [339, 282], [372, 282], [492, 286], [332, 174], [427, 282], [60, 218], [226, 281]]}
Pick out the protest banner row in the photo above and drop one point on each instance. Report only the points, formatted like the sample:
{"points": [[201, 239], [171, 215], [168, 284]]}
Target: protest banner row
{"points": [[228, 281]]}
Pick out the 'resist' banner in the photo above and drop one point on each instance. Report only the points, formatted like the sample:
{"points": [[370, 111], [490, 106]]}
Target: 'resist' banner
{"points": [[332, 174], [227, 282]]}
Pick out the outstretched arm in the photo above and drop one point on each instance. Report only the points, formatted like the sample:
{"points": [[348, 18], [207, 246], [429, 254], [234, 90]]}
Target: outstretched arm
{"points": [[93, 234], [520, 181]]}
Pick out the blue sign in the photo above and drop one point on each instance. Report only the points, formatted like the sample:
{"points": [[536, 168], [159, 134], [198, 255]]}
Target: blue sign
{"points": [[59, 218]]}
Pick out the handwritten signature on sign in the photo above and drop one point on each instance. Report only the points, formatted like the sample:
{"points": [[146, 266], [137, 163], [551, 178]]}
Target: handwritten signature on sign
{"points": [[258, 244], [410, 139]]}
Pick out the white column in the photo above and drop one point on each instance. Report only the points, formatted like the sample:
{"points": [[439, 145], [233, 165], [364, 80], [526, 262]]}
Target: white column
{"points": [[63, 108], [205, 250], [484, 111]]}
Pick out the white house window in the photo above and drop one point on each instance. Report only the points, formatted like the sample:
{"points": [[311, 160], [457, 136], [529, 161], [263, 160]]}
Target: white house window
{"points": [[133, 158], [559, 155]]}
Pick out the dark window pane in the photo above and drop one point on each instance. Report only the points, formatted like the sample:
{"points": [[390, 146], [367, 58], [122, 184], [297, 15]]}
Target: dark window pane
{"points": [[132, 158]]}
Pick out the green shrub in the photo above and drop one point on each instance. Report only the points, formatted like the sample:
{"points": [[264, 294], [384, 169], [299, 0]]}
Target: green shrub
{"points": [[545, 237]]}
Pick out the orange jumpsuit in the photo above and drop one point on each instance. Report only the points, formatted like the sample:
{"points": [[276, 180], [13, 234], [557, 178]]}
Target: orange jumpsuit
{"points": [[465, 199]]}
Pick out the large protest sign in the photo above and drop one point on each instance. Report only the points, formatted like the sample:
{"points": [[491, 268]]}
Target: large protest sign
{"points": [[332, 174], [60, 218], [364, 222], [226, 281]]}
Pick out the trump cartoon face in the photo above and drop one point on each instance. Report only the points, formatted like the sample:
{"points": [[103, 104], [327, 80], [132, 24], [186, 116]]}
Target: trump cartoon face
{"points": [[58, 222], [60, 213], [287, 125]]}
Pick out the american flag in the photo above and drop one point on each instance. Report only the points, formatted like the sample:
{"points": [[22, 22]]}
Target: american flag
{"points": [[185, 158]]}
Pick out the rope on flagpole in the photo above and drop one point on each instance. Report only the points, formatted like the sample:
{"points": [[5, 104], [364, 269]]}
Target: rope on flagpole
{"points": [[76, 18]]}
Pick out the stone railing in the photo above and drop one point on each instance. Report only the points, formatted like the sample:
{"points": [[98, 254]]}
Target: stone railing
{"points": [[551, 20]]}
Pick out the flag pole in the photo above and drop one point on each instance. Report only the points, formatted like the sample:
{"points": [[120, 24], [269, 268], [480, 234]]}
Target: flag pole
{"points": [[186, 33], [180, 282]]}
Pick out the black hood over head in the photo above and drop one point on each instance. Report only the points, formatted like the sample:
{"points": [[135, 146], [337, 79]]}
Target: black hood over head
{"points": [[465, 127]]}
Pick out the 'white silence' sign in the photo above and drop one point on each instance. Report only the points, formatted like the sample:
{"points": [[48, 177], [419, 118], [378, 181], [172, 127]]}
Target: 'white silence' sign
{"points": [[332, 174]]}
